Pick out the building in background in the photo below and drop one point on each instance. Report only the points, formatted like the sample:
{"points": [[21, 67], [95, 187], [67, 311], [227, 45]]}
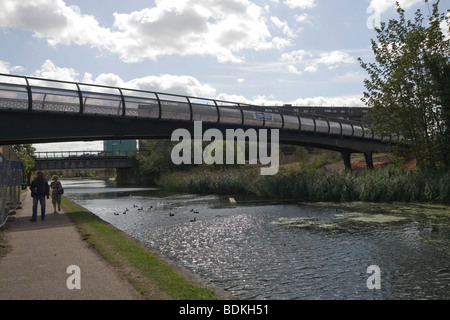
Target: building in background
{"points": [[124, 147]]}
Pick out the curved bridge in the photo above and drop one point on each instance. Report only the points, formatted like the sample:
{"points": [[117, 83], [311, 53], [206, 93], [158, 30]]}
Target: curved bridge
{"points": [[36, 110]]}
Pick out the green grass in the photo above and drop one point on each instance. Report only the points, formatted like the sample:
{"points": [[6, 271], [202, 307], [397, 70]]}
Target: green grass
{"points": [[144, 268]]}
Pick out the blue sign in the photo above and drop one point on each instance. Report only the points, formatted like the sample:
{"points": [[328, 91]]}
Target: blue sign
{"points": [[263, 116]]}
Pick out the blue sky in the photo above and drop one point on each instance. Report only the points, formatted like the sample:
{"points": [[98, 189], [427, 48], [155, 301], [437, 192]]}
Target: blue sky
{"points": [[271, 52]]}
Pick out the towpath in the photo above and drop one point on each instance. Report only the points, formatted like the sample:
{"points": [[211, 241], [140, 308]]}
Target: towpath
{"points": [[40, 253]]}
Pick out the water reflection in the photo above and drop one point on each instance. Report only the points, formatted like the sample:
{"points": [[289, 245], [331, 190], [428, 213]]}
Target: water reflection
{"points": [[286, 251]]}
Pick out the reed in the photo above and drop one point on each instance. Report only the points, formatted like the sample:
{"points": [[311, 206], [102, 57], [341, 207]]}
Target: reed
{"points": [[383, 185]]}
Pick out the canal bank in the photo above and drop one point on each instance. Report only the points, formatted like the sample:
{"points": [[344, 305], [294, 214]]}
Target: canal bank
{"points": [[40, 253]]}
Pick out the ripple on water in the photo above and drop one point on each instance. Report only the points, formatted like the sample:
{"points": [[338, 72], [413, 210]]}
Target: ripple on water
{"points": [[292, 251]]}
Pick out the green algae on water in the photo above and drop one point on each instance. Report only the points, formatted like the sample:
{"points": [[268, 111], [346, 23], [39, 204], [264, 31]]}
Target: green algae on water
{"points": [[370, 218], [306, 223]]}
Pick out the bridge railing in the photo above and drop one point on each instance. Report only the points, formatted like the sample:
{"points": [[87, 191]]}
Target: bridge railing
{"points": [[44, 95], [53, 155]]}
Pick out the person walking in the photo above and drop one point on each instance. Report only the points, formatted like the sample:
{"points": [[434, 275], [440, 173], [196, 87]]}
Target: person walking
{"points": [[57, 191], [39, 190]]}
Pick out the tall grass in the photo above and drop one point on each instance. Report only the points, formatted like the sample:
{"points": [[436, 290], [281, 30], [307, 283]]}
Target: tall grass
{"points": [[230, 181], [383, 185]]}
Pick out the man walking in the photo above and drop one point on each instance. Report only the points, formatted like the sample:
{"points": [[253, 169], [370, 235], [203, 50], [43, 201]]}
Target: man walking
{"points": [[39, 190]]}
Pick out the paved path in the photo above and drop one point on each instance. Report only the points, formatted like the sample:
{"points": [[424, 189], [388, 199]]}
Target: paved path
{"points": [[41, 252]]}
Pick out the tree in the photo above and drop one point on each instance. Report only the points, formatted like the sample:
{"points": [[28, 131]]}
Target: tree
{"points": [[155, 160], [408, 85], [26, 153]]}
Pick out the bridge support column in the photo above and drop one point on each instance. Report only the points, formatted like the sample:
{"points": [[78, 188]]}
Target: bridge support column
{"points": [[347, 162], [128, 176], [369, 160]]}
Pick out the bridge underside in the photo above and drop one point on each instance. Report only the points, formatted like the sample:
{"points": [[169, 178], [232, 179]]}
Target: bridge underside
{"points": [[18, 127], [41, 127]]}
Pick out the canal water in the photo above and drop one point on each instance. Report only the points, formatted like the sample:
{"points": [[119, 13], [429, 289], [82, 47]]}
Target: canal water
{"points": [[286, 251]]}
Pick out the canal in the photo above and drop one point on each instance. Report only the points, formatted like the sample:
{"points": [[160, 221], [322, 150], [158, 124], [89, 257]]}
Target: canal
{"points": [[286, 251]]}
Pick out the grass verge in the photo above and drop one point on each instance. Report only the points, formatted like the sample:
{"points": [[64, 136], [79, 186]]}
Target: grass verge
{"points": [[145, 269]]}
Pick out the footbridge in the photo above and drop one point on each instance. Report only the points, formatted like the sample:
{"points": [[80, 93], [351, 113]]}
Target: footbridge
{"points": [[37, 110], [66, 160]]}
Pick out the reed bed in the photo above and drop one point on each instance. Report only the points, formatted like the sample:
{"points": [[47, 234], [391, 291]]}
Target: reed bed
{"points": [[383, 185]]}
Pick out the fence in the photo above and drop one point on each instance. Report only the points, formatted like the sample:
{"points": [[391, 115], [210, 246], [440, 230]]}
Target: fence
{"points": [[10, 185]]}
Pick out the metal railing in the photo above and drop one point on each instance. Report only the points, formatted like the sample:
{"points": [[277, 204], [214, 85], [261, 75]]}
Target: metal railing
{"points": [[45, 95], [10, 186], [53, 155]]}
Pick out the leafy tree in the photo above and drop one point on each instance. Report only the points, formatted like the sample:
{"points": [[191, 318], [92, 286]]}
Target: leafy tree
{"points": [[155, 158], [408, 85], [26, 153]]}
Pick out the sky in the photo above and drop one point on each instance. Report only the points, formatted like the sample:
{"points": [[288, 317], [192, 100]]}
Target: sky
{"points": [[264, 52]]}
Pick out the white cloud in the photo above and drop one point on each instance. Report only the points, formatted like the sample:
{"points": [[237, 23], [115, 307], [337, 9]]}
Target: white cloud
{"points": [[257, 100], [381, 6], [53, 20], [283, 25], [281, 43], [311, 68], [294, 70], [207, 27], [5, 67], [222, 29], [301, 18], [331, 59], [185, 85], [106, 79], [50, 71], [293, 56], [349, 101], [445, 28], [300, 4]]}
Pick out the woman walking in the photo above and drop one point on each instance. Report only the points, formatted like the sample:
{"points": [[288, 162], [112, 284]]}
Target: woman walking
{"points": [[57, 191]]}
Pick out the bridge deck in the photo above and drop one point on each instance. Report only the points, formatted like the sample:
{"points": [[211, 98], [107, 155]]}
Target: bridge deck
{"points": [[130, 113]]}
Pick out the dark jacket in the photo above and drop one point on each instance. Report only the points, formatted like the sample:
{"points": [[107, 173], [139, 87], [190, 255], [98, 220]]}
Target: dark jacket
{"points": [[40, 188]]}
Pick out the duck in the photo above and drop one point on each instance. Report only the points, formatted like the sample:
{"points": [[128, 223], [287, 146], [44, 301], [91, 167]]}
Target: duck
{"points": [[192, 210], [193, 220], [125, 212], [171, 214], [140, 209]]}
